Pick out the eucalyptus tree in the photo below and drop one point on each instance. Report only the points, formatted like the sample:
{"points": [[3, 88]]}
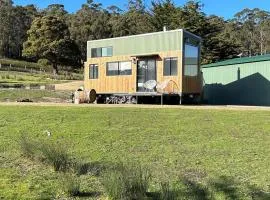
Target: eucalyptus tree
{"points": [[49, 38]]}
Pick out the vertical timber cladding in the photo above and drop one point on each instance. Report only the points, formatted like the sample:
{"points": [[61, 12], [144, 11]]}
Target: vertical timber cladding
{"points": [[163, 44], [127, 83]]}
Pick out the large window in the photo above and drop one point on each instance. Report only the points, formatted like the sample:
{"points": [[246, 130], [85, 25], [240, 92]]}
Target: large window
{"points": [[191, 59], [101, 52], [93, 71], [119, 68], [170, 67]]}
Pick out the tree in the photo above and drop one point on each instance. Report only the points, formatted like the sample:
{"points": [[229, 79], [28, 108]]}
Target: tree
{"points": [[57, 10], [164, 14], [253, 31], [89, 23], [5, 27], [49, 38]]}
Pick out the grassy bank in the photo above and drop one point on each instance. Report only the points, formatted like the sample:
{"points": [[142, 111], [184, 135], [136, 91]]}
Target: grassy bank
{"points": [[224, 154], [12, 77], [8, 95]]}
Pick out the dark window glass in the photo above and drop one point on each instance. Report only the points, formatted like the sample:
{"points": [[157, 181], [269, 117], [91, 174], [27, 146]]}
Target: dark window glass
{"points": [[93, 71], [170, 67], [93, 52], [99, 52]]}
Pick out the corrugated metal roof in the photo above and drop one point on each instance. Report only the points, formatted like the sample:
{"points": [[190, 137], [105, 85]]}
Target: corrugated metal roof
{"points": [[239, 61]]}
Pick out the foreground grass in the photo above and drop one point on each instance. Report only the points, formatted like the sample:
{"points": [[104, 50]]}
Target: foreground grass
{"points": [[225, 151], [34, 95]]}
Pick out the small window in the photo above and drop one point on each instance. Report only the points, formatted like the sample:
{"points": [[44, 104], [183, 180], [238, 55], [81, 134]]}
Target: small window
{"points": [[101, 52], [93, 71], [170, 67], [119, 68]]}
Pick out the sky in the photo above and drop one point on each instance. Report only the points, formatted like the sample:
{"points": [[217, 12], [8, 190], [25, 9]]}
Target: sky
{"points": [[223, 8]]}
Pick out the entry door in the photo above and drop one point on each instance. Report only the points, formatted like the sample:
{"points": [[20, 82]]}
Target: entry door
{"points": [[146, 70]]}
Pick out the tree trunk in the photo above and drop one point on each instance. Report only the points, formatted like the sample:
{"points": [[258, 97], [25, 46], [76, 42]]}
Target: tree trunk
{"points": [[55, 69]]}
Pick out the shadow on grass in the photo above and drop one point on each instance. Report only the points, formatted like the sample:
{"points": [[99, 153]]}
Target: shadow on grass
{"points": [[226, 186], [88, 194]]}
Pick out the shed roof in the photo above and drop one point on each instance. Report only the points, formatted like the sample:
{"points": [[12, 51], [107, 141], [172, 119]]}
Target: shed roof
{"points": [[239, 61]]}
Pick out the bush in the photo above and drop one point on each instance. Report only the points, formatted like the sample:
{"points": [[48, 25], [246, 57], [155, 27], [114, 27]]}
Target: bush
{"points": [[167, 192], [55, 155], [28, 146], [81, 168], [71, 185], [52, 153], [126, 182], [44, 63]]}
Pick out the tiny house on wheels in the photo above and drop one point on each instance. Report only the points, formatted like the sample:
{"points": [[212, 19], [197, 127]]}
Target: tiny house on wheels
{"points": [[158, 65]]}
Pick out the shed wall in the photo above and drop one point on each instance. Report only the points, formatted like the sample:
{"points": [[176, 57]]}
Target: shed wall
{"points": [[239, 84]]}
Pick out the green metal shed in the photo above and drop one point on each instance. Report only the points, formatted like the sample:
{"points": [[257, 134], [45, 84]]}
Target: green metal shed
{"points": [[239, 81]]}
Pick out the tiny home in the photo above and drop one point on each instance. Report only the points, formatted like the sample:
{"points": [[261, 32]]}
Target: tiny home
{"points": [[125, 69]]}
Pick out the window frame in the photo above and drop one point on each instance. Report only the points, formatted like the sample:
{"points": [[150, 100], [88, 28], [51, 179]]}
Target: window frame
{"points": [[93, 72], [170, 67], [96, 48], [118, 68]]}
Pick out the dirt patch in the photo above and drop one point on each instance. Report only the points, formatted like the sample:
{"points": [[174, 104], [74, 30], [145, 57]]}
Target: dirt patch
{"points": [[70, 86]]}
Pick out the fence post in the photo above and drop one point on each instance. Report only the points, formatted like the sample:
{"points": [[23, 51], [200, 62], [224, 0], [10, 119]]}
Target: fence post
{"points": [[0, 65], [10, 67]]}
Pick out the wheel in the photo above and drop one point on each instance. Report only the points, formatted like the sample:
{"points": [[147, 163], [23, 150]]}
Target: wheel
{"points": [[92, 96]]}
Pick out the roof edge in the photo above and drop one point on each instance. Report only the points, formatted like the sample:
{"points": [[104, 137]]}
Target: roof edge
{"points": [[236, 61], [138, 35]]}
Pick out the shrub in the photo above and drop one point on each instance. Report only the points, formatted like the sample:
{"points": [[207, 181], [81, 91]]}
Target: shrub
{"points": [[126, 182], [81, 168], [167, 192], [71, 185], [55, 155], [28, 146], [52, 153]]}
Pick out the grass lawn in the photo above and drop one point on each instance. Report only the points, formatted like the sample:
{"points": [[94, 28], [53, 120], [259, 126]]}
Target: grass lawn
{"points": [[224, 153], [7, 95]]}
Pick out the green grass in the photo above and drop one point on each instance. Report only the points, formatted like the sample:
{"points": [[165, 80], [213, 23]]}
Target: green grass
{"points": [[20, 63], [202, 154], [34, 95], [12, 77]]}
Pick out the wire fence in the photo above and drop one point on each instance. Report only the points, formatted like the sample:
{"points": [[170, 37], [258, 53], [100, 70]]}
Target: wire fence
{"points": [[10, 67]]}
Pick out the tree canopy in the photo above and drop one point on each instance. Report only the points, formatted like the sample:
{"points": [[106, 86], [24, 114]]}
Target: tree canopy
{"points": [[246, 34], [49, 38]]}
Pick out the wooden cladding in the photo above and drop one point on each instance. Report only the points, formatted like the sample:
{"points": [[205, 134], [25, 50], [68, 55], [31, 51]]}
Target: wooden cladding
{"points": [[128, 83]]}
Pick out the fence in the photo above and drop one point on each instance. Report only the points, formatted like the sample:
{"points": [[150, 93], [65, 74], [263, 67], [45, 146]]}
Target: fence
{"points": [[10, 67]]}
